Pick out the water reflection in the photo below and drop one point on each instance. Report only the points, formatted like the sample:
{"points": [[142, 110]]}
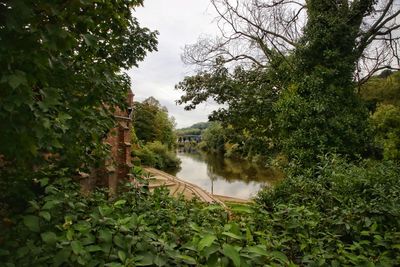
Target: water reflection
{"points": [[222, 176]]}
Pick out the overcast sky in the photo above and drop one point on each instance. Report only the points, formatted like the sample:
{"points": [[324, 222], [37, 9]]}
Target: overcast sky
{"points": [[178, 22]]}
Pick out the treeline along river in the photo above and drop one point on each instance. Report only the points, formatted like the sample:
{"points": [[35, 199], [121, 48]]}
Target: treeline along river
{"points": [[224, 176]]}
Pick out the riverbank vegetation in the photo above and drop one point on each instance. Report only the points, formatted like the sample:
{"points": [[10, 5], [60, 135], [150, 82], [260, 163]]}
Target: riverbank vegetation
{"points": [[343, 214], [303, 96], [195, 129], [153, 135]]}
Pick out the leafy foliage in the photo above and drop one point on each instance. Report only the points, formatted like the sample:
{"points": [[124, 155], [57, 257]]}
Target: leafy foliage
{"points": [[319, 111], [303, 100], [214, 138], [154, 135], [195, 129], [345, 215], [61, 77], [342, 214], [382, 89], [386, 124], [158, 155], [247, 96], [151, 122]]}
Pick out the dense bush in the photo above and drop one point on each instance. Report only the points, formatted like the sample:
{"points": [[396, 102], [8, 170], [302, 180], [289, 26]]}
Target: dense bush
{"points": [[339, 215], [214, 138], [386, 124], [151, 122], [136, 229], [336, 214], [156, 154]]}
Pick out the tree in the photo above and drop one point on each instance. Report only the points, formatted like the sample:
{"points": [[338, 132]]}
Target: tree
{"points": [[62, 76], [214, 137], [151, 122], [382, 89], [254, 32], [318, 50], [386, 124], [247, 97]]}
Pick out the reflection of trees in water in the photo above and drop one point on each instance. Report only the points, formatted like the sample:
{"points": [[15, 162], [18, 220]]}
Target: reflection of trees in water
{"points": [[232, 170], [212, 174], [191, 153], [188, 149]]}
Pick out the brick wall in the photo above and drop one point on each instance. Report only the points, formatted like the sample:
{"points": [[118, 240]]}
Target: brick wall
{"points": [[118, 165], [120, 140]]}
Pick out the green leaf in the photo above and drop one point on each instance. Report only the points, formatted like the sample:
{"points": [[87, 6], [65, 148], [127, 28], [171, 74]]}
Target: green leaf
{"points": [[231, 253], [70, 234], [32, 222], [50, 204], [160, 261], [122, 255], [206, 241], [119, 241], [213, 260], [105, 210], [195, 227], [93, 248], [145, 259], [232, 235], [258, 250], [43, 182], [119, 202], [242, 209], [89, 39], [34, 204], [17, 79], [280, 257], [105, 235], [187, 259], [49, 237], [45, 215], [82, 226], [62, 256], [77, 247]]}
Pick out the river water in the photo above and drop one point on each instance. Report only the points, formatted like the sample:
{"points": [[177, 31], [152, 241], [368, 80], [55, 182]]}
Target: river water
{"points": [[223, 176]]}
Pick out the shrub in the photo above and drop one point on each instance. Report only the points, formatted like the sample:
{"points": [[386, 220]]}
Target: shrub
{"points": [[138, 228], [156, 154], [340, 215], [343, 214], [386, 124]]}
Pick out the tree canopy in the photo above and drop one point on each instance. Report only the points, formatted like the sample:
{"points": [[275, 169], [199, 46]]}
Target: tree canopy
{"points": [[302, 62], [62, 76], [152, 122]]}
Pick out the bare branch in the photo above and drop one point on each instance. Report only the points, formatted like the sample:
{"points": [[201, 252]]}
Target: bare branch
{"points": [[252, 31]]}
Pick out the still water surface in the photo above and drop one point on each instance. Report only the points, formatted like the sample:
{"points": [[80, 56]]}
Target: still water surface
{"points": [[222, 176]]}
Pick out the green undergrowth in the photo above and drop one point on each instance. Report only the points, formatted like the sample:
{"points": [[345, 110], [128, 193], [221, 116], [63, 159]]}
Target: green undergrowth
{"points": [[340, 215], [336, 214], [157, 155]]}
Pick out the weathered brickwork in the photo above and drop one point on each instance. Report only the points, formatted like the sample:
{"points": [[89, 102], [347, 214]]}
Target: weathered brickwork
{"points": [[119, 163], [120, 140]]}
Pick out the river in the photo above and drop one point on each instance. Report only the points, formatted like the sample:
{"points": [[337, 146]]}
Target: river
{"points": [[224, 176]]}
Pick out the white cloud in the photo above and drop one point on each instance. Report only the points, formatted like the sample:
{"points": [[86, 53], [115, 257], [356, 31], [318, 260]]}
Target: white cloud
{"points": [[179, 22]]}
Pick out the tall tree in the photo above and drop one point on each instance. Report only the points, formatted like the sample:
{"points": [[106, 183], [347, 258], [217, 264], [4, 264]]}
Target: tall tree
{"points": [[318, 50], [152, 123], [62, 74]]}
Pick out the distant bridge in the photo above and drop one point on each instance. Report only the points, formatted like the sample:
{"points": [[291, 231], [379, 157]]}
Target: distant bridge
{"points": [[189, 138]]}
